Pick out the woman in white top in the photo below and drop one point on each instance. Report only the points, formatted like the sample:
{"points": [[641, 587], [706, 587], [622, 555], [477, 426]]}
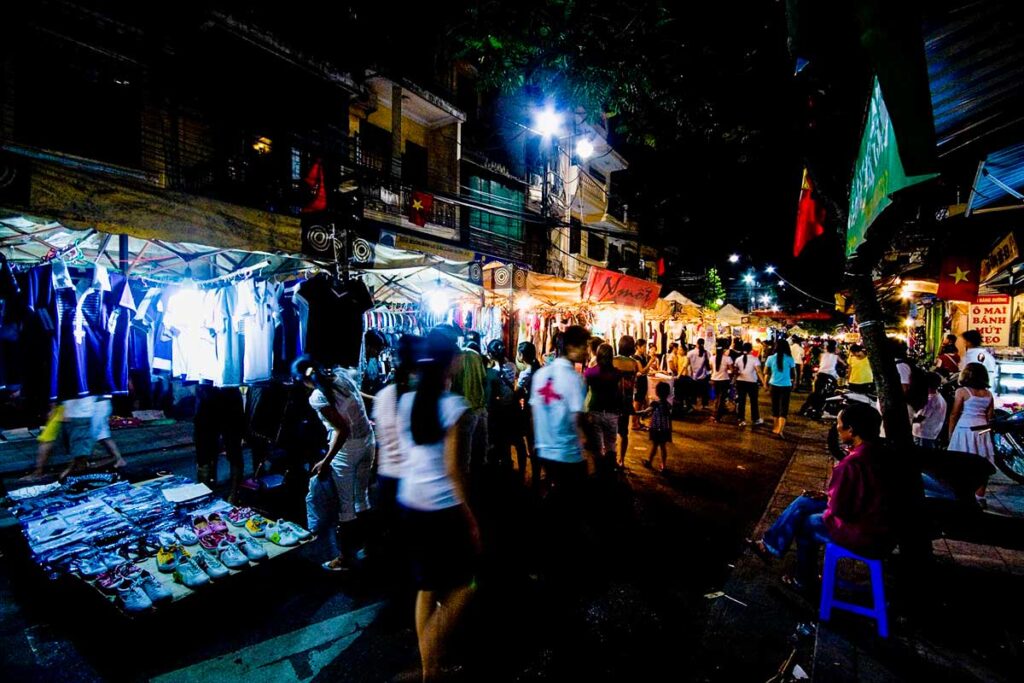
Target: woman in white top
{"points": [[348, 461], [748, 379], [391, 456], [722, 370], [972, 406], [441, 528]]}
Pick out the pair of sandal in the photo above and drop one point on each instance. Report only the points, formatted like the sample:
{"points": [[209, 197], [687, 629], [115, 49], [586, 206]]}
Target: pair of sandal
{"points": [[759, 548]]}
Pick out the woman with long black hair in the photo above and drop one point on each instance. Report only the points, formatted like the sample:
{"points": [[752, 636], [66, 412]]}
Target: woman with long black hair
{"points": [[524, 384], [441, 527], [779, 369], [390, 456], [722, 370], [748, 379], [348, 461]]}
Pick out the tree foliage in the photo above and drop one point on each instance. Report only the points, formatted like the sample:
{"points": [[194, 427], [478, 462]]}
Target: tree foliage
{"points": [[713, 296]]}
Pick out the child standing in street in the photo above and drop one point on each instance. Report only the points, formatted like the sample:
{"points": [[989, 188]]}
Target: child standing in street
{"points": [[660, 433]]}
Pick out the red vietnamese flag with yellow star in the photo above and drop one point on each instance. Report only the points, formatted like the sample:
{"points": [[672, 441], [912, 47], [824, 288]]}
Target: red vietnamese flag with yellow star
{"points": [[958, 278], [421, 206]]}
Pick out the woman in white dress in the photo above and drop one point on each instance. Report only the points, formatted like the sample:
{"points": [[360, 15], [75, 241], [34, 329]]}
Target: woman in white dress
{"points": [[972, 406]]}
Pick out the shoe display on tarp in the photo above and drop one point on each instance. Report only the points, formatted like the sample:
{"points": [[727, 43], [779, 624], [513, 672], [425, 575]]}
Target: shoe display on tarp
{"points": [[210, 563], [154, 590], [132, 597], [217, 523], [169, 556], [231, 555], [112, 578], [90, 566], [252, 548], [190, 574]]}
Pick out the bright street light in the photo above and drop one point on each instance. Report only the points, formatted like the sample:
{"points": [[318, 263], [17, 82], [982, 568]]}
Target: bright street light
{"points": [[734, 258], [548, 122], [766, 299], [775, 308], [584, 148], [748, 279], [770, 269]]}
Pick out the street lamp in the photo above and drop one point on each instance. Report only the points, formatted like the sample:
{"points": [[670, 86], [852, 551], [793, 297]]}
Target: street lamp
{"points": [[770, 270], [548, 122], [584, 149], [734, 258]]}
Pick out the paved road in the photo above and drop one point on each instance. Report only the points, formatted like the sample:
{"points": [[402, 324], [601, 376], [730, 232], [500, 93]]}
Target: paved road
{"points": [[634, 607]]}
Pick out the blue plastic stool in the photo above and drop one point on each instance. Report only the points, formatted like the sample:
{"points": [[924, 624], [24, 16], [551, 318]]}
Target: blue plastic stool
{"points": [[834, 553]]}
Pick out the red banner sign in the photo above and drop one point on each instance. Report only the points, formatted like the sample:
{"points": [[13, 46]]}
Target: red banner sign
{"points": [[610, 286]]}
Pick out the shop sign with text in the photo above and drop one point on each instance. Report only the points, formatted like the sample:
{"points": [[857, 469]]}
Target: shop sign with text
{"points": [[1004, 253], [610, 286], [990, 315]]}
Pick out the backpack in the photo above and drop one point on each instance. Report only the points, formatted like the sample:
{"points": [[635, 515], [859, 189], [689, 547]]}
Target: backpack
{"points": [[917, 397]]}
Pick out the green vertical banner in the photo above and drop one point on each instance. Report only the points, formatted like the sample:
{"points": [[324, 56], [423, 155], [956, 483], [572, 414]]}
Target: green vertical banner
{"points": [[879, 172]]}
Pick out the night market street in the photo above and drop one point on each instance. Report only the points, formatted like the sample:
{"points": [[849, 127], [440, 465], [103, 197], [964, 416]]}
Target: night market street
{"points": [[661, 544]]}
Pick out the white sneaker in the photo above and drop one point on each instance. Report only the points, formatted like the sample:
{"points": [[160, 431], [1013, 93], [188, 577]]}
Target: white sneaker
{"points": [[210, 563], [299, 532], [252, 548], [741, 423], [758, 423], [133, 598], [154, 590], [277, 534], [189, 574]]}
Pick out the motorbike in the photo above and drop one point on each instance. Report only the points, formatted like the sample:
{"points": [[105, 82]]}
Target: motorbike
{"points": [[814, 406], [1008, 438]]}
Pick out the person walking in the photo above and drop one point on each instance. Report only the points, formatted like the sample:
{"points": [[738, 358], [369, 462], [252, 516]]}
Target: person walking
{"points": [[604, 407], [700, 367], [441, 527], [557, 401], [748, 379], [502, 410], [779, 369], [661, 425], [628, 368], [973, 406], [524, 385], [796, 348], [391, 457], [722, 370], [861, 379], [469, 380], [640, 394], [347, 463]]}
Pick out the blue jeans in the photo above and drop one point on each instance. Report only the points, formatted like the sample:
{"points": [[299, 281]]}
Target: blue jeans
{"points": [[801, 521]]}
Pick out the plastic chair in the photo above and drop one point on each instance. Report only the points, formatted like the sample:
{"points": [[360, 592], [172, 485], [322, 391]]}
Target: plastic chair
{"points": [[834, 553]]}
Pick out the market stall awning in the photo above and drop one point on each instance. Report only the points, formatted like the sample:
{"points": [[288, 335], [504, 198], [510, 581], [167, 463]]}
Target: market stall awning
{"points": [[79, 194], [552, 290], [729, 315], [412, 285]]}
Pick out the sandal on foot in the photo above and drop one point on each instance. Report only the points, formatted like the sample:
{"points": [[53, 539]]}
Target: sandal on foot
{"points": [[760, 549]]}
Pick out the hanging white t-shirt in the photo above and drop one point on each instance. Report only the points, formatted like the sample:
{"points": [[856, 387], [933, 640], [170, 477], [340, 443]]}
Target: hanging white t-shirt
{"points": [[746, 368], [557, 393], [227, 310], [262, 309], [425, 484], [193, 355]]}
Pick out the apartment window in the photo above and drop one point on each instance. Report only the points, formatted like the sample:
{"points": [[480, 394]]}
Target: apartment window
{"points": [[595, 247], [575, 236], [502, 198], [614, 257]]}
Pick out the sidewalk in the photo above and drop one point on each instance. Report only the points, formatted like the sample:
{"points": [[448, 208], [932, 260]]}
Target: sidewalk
{"points": [[958, 622]]}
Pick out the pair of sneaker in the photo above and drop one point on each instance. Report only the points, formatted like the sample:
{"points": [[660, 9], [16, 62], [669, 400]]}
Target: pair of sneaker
{"points": [[98, 562], [141, 592], [285, 533], [239, 516], [251, 548], [112, 578], [190, 574], [168, 557]]}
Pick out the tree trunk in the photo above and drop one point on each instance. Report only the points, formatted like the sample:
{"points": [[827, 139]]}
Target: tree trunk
{"points": [[883, 362]]}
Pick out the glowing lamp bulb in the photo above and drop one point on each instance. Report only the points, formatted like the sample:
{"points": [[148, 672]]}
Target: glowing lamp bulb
{"points": [[437, 301], [584, 149]]}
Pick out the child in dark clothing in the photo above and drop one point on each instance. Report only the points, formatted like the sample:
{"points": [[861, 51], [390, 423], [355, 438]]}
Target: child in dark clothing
{"points": [[660, 433]]}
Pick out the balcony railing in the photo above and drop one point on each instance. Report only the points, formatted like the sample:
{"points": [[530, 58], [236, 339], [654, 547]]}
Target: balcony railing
{"points": [[394, 201]]}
